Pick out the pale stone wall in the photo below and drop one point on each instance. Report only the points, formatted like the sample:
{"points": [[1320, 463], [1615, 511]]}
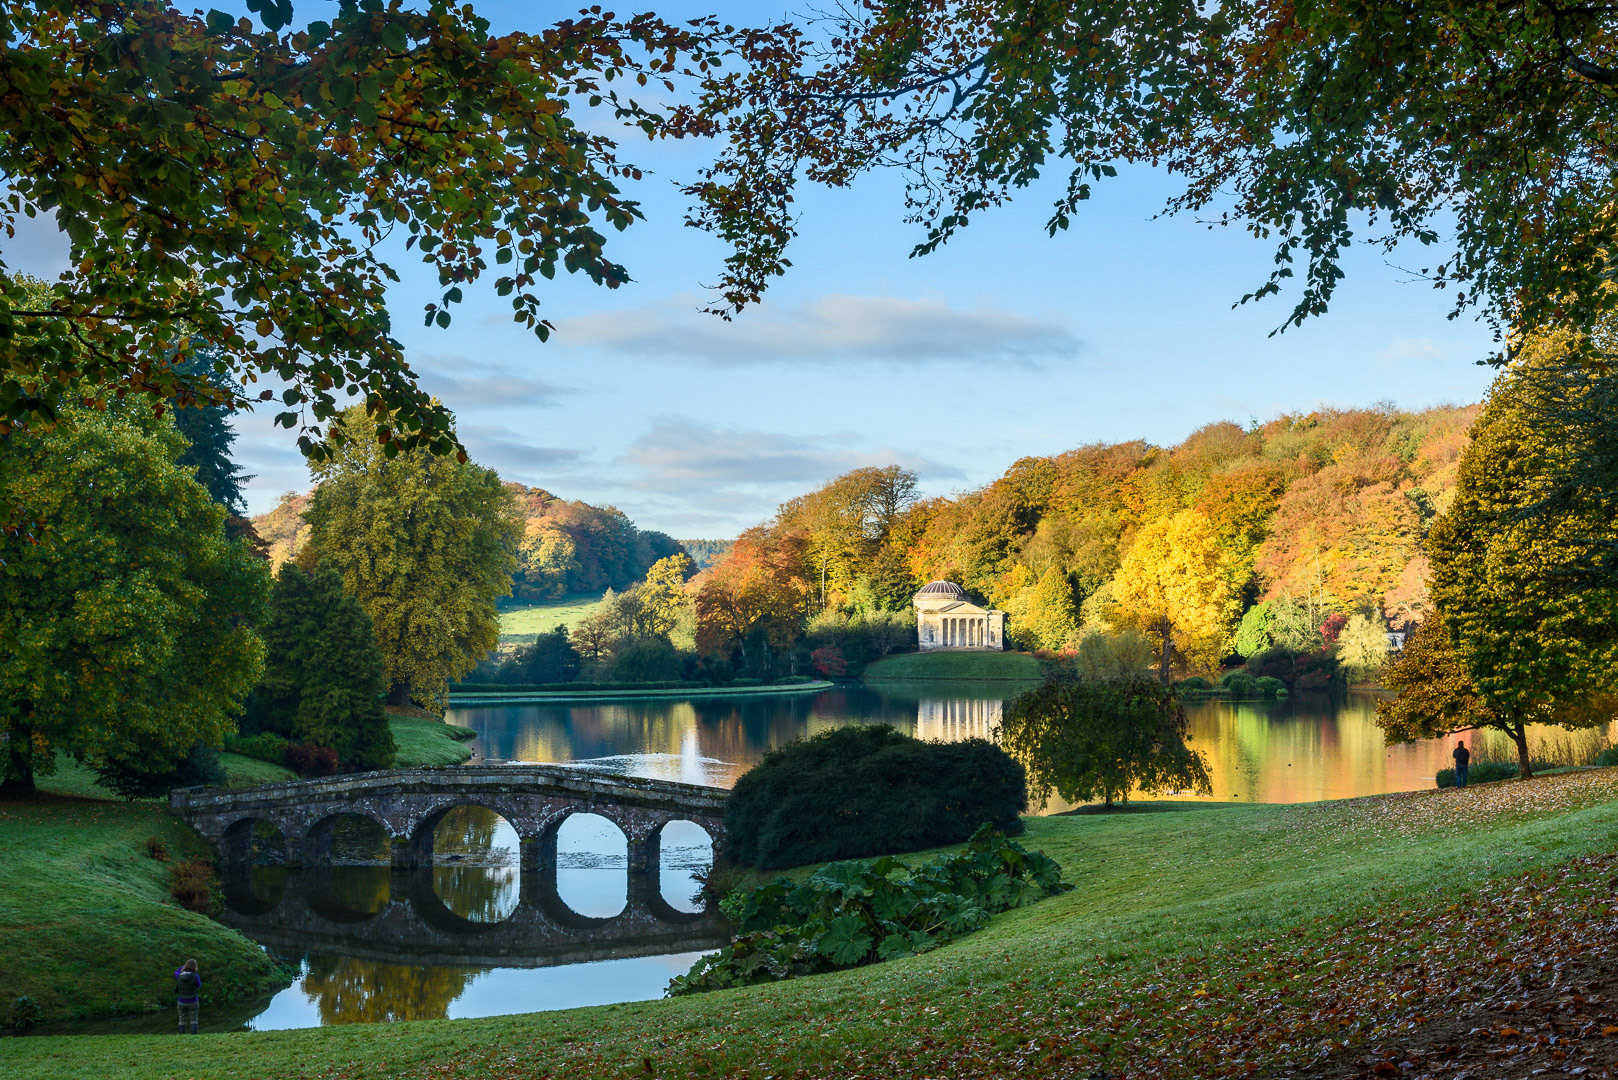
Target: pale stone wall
{"points": [[956, 624]]}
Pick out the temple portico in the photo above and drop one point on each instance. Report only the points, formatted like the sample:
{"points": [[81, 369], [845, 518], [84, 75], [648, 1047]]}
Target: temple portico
{"points": [[945, 619]]}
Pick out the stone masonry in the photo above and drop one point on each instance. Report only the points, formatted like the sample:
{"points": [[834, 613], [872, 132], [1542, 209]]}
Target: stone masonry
{"points": [[409, 803]]}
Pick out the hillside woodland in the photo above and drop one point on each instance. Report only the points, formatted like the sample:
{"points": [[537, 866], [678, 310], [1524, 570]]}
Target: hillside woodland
{"points": [[1296, 535], [567, 546]]}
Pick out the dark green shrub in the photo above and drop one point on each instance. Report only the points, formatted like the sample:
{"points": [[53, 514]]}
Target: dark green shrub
{"points": [[1240, 684], [854, 913], [264, 746], [1269, 687], [1480, 772], [869, 790], [1609, 756], [793, 680], [746, 681], [649, 659], [1298, 670], [144, 780], [22, 1014], [1195, 684]]}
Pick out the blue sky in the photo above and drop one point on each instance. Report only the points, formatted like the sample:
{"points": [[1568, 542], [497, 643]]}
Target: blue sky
{"points": [[1004, 344]]}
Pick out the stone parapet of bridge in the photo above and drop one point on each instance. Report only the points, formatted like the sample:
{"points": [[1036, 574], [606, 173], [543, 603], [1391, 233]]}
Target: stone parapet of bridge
{"points": [[409, 803]]}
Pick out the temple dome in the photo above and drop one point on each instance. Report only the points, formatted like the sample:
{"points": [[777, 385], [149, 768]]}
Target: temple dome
{"points": [[941, 590]]}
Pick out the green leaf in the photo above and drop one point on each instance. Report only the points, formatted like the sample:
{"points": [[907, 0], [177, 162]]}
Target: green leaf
{"points": [[844, 941]]}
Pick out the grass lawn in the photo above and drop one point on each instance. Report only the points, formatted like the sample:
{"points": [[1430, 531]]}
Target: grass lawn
{"points": [[87, 927], [955, 665], [1198, 943], [426, 741], [523, 624]]}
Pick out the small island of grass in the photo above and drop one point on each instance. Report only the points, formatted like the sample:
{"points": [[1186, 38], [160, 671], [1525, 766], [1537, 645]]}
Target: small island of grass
{"points": [[979, 666]]}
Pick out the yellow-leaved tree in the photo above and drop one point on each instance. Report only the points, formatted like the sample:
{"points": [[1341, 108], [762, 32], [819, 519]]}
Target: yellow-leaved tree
{"points": [[1175, 585], [1535, 633], [426, 544]]}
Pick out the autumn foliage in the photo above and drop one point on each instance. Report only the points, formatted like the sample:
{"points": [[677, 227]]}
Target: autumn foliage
{"points": [[1319, 516]]}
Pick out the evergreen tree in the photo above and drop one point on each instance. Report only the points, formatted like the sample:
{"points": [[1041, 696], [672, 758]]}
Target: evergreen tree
{"points": [[1253, 635], [1049, 616], [323, 675], [209, 436], [550, 659]]}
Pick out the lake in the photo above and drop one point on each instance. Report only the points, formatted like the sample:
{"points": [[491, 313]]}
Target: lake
{"points": [[458, 940]]}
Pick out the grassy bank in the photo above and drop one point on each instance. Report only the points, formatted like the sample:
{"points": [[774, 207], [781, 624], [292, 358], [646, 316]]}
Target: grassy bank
{"points": [[521, 625], [1209, 942], [981, 666], [425, 740], [87, 927]]}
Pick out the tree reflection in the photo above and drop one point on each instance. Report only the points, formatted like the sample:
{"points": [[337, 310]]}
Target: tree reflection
{"points": [[362, 890], [482, 884], [352, 991], [484, 894]]}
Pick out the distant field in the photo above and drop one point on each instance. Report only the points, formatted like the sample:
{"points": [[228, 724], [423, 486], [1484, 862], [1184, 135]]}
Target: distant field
{"points": [[521, 625], [955, 665]]}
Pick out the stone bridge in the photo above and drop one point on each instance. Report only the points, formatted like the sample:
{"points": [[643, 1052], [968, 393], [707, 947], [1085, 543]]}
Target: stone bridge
{"points": [[409, 803], [414, 926]]}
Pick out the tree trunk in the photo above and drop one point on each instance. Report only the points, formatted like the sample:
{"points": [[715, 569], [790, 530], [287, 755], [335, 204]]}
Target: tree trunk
{"points": [[1165, 628], [17, 777], [1519, 735], [399, 694]]}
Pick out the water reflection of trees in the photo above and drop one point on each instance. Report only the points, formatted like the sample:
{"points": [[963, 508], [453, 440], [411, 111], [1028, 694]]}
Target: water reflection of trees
{"points": [[363, 890], [482, 885], [351, 991], [470, 833]]}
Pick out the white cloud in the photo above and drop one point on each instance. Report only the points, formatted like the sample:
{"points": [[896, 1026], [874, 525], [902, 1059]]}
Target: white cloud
{"points": [[462, 383], [728, 469], [830, 329], [1422, 350], [512, 454]]}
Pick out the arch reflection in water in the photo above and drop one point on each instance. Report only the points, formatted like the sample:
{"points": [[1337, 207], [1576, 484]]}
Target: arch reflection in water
{"points": [[475, 864], [592, 866], [414, 958], [687, 855]]}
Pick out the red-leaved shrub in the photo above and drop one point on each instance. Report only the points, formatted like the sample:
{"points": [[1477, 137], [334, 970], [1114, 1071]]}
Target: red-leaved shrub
{"points": [[307, 759], [195, 886]]}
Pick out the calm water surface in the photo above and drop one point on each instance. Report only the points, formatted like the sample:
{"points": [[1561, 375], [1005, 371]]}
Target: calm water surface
{"points": [[474, 936]]}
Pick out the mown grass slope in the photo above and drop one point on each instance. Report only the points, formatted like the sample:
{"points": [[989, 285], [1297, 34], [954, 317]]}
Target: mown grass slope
{"points": [[87, 927], [522, 624], [1197, 943], [955, 665]]}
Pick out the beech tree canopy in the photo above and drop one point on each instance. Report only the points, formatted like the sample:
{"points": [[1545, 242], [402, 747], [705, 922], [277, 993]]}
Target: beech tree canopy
{"points": [[1480, 132], [230, 185]]}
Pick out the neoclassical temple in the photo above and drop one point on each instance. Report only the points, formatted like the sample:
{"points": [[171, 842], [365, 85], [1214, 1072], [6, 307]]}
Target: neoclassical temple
{"points": [[945, 619]]}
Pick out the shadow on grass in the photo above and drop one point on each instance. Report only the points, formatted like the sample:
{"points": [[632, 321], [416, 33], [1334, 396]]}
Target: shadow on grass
{"points": [[1161, 806]]}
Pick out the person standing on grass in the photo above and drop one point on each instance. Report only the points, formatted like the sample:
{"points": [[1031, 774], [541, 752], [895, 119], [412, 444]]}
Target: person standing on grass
{"points": [[1463, 758], [187, 985]]}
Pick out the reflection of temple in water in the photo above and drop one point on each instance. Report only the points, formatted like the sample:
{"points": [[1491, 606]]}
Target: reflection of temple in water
{"points": [[954, 719]]}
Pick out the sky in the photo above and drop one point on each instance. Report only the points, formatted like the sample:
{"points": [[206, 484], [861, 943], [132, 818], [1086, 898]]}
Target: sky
{"points": [[1004, 344]]}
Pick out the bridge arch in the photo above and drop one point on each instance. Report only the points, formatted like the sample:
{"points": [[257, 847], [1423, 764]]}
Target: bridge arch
{"points": [[316, 842]]}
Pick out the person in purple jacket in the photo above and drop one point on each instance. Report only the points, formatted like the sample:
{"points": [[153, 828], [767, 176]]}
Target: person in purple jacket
{"points": [[187, 985]]}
